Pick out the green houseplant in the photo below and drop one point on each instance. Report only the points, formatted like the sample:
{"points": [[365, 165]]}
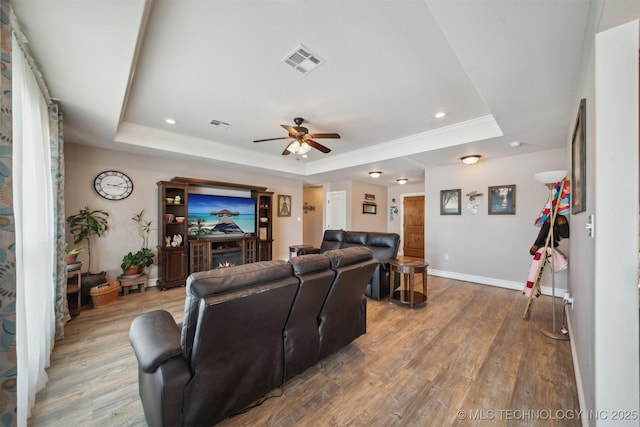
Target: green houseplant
{"points": [[133, 263], [86, 224]]}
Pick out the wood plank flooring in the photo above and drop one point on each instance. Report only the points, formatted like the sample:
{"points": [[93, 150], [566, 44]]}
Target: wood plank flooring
{"points": [[468, 350]]}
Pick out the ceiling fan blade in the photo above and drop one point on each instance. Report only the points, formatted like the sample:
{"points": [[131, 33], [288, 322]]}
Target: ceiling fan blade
{"points": [[324, 135], [272, 139], [286, 151], [291, 130], [318, 146]]}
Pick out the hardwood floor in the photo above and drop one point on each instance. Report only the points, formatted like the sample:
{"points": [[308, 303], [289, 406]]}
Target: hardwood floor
{"points": [[468, 350]]}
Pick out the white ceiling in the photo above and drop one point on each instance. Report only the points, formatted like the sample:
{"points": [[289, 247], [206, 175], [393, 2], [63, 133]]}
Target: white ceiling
{"points": [[504, 71]]}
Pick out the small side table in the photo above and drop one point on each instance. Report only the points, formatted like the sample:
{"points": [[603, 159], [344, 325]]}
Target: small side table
{"points": [[74, 291], [293, 249], [127, 282], [408, 269]]}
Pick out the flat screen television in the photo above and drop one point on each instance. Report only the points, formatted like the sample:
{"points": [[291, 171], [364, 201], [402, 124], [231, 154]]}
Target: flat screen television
{"points": [[211, 215]]}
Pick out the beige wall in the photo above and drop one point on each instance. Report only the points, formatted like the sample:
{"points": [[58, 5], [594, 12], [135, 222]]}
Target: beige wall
{"points": [[368, 222], [83, 163], [312, 220]]}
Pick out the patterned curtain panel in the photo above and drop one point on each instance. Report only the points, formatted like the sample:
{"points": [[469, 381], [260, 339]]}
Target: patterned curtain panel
{"points": [[57, 179], [8, 364]]}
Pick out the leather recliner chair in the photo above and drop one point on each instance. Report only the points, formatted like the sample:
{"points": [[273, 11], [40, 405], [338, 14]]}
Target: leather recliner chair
{"points": [[383, 245]]}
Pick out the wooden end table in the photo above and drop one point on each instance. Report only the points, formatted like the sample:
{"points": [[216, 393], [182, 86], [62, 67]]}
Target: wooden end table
{"points": [[408, 269], [293, 249]]}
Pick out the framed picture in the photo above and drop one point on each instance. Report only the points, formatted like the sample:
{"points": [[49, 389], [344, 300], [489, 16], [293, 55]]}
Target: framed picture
{"points": [[284, 205], [369, 208], [579, 161], [450, 202], [370, 197], [502, 200]]}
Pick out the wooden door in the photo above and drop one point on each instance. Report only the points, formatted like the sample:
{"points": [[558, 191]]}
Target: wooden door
{"points": [[413, 220]]}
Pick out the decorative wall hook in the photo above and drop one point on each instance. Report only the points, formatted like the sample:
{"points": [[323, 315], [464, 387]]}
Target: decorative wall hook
{"points": [[306, 207], [473, 204]]}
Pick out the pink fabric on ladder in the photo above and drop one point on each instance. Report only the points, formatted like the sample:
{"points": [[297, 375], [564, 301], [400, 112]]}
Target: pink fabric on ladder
{"points": [[533, 273], [559, 263]]}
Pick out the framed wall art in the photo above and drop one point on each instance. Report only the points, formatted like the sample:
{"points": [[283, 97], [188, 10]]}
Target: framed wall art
{"points": [[284, 205], [450, 202], [579, 162], [502, 200], [369, 208]]}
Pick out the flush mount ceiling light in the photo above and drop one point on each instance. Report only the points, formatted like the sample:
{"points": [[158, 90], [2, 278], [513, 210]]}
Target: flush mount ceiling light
{"points": [[402, 181], [375, 174], [471, 159], [440, 114]]}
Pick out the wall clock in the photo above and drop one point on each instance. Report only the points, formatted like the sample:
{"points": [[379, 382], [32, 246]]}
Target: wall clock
{"points": [[113, 185]]}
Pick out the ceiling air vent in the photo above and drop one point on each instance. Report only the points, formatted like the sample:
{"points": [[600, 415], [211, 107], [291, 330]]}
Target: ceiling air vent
{"points": [[219, 124], [303, 60]]}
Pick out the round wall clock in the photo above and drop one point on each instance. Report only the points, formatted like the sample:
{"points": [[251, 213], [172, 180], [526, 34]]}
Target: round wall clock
{"points": [[113, 185]]}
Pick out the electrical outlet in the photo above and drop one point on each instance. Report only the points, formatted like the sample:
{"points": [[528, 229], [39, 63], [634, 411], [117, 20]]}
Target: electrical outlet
{"points": [[568, 299]]}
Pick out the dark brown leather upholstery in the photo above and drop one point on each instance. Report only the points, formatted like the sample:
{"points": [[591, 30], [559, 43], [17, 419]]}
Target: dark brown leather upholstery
{"points": [[343, 317], [301, 335], [246, 330], [384, 246]]}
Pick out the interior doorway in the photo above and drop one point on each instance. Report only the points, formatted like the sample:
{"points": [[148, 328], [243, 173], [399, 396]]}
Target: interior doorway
{"points": [[336, 210], [413, 225]]}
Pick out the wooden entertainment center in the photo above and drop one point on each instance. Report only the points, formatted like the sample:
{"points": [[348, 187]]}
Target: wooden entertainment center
{"points": [[181, 253]]}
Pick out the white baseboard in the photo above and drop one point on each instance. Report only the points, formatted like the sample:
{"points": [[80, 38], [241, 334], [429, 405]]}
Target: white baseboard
{"points": [[501, 283], [576, 369]]}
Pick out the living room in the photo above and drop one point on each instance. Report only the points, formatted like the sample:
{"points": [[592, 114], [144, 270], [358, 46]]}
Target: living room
{"points": [[479, 248]]}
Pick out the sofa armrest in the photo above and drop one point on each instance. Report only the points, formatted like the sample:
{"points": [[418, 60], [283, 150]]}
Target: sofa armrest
{"points": [[307, 251], [155, 339]]}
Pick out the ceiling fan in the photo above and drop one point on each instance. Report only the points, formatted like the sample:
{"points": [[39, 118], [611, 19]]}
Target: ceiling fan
{"points": [[303, 141]]}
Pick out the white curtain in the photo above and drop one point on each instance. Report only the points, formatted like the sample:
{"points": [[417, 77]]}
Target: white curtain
{"points": [[33, 209]]}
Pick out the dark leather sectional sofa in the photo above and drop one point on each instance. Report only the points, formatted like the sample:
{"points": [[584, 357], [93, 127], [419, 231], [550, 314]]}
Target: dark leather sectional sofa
{"points": [[383, 245], [247, 330]]}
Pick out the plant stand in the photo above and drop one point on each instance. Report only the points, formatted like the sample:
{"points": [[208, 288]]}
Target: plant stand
{"points": [[126, 283]]}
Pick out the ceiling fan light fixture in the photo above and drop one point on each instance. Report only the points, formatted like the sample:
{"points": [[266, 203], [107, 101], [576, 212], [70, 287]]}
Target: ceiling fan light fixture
{"points": [[375, 174], [304, 148], [471, 159], [402, 181], [294, 147]]}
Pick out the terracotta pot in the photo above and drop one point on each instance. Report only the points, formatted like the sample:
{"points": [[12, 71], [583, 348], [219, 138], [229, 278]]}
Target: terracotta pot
{"points": [[132, 270], [71, 259]]}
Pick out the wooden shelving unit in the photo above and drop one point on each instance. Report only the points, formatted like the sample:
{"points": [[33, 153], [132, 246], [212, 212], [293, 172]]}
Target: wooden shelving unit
{"points": [[197, 254]]}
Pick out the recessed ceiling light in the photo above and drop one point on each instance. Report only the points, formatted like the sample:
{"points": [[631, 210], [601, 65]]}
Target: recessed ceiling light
{"points": [[170, 121], [515, 144], [440, 114], [375, 174], [402, 181]]}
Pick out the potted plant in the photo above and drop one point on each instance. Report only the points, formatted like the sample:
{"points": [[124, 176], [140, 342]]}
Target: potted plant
{"points": [[72, 255], [86, 224], [133, 263]]}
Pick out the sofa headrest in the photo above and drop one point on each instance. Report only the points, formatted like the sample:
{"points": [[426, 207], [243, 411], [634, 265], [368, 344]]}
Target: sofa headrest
{"points": [[347, 256], [333, 235], [356, 237], [387, 240], [309, 263], [221, 280]]}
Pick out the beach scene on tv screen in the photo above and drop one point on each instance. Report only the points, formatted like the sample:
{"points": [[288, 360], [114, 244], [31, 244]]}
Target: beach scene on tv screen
{"points": [[216, 216]]}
